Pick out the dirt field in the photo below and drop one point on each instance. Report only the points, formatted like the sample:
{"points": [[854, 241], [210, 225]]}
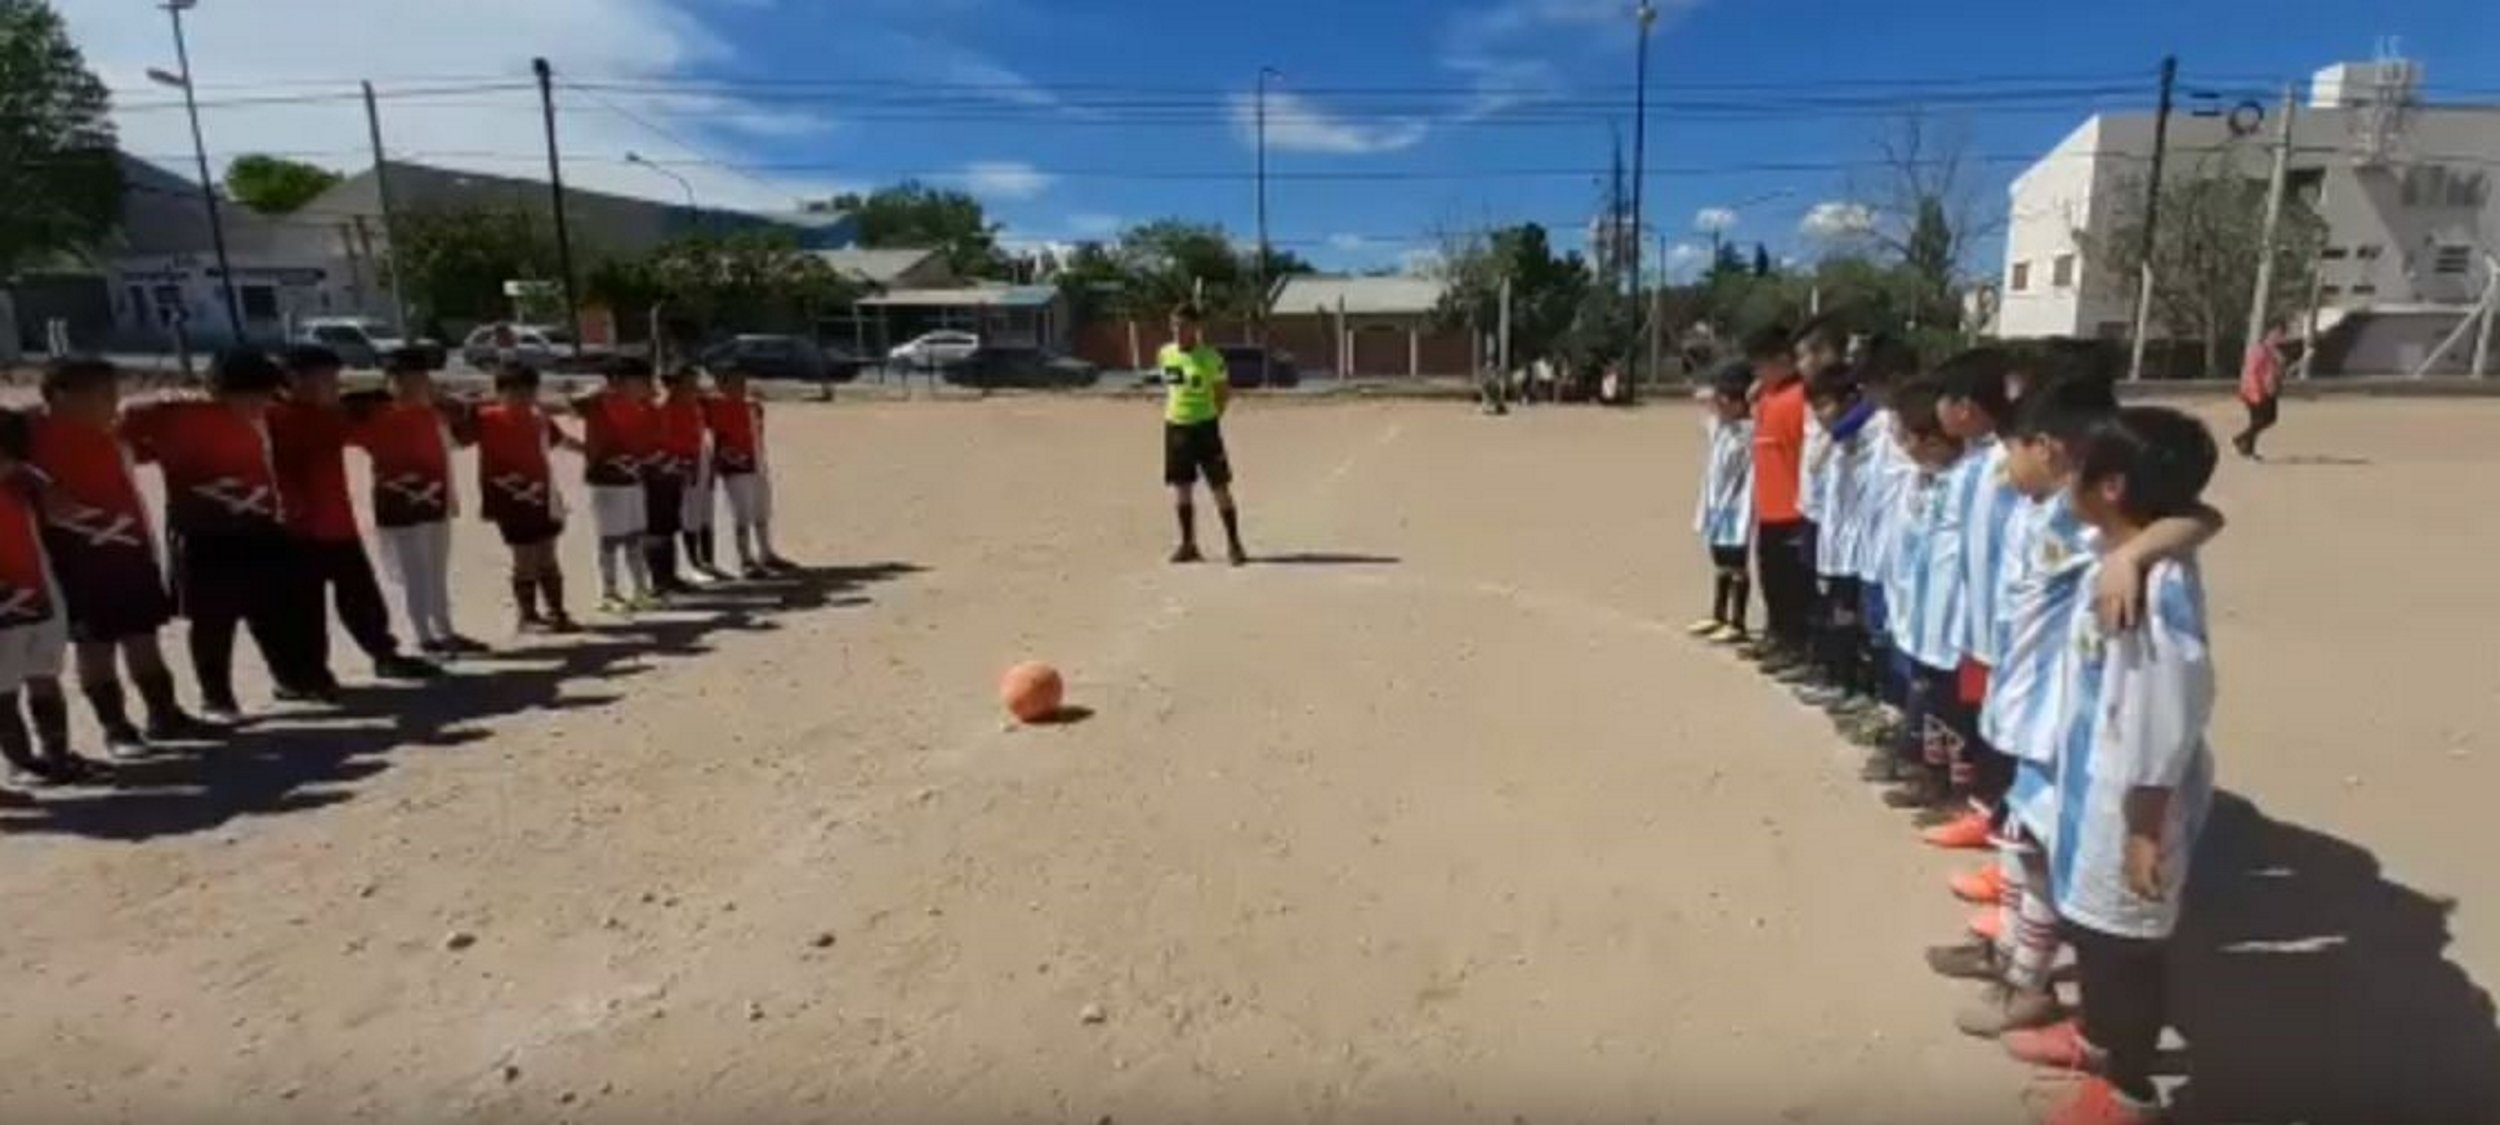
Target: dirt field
{"points": [[1435, 817]]}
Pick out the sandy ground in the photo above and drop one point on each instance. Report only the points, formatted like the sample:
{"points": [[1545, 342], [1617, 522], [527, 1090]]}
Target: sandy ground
{"points": [[1436, 817]]}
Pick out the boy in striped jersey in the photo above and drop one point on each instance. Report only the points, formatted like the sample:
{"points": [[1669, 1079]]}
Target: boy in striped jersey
{"points": [[1919, 605], [1975, 403], [1874, 718], [1723, 517], [2133, 776], [1844, 410], [1821, 355]]}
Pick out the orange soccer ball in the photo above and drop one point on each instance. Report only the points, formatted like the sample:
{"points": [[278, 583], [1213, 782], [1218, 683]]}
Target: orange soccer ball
{"points": [[1032, 692]]}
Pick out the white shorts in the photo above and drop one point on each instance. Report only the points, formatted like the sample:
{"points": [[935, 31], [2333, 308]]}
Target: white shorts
{"points": [[33, 651], [750, 498], [617, 511], [695, 514]]}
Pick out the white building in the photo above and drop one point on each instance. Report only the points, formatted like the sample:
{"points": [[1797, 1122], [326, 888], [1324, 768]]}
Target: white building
{"points": [[2405, 189]]}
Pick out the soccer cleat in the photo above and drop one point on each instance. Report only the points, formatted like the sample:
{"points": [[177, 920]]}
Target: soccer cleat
{"points": [[533, 626], [124, 743], [2058, 1046], [325, 693], [1969, 961], [715, 573], [465, 645], [63, 767], [1704, 627], [2096, 1102], [1979, 888], [183, 727], [1987, 924], [399, 667], [1969, 832], [755, 570], [617, 605], [1187, 553], [779, 565], [2002, 1008], [1820, 695], [221, 713], [562, 623], [648, 600]]}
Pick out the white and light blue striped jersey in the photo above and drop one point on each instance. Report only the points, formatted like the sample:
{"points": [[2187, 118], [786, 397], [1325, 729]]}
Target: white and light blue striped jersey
{"points": [[1810, 468], [1988, 503], [1723, 516], [1889, 477], [2047, 549], [2143, 699], [1914, 520], [1937, 600], [1845, 468]]}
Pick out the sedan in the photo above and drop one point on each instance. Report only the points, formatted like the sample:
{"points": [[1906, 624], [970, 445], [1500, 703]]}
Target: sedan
{"points": [[936, 349], [779, 357]]}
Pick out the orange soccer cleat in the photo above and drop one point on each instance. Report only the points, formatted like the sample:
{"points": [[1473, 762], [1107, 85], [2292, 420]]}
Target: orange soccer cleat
{"points": [[2096, 1102], [1968, 832], [1987, 924], [1981, 887], [2059, 1046]]}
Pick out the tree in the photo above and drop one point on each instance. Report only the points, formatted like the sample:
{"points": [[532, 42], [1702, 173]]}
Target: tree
{"points": [[913, 214], [1931, 205], [1546, 289], [60, 177], [707, 284], [453, 263], [275, 186], [2205, 261]]}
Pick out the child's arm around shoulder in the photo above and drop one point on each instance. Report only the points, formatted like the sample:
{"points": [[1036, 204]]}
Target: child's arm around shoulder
{"points": [[2118, 594]]}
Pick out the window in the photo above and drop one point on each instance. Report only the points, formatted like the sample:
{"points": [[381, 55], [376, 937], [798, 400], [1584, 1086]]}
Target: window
{"points": [[2306, 183], [2022, 277], [2062, 272], [2334, 253], [260, 302], [2453, 260], [2364, 290], [2330, 292], [169, 306], [2368, 251]]}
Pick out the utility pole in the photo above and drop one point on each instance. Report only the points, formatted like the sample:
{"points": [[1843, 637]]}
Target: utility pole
{"points": [[2259, 308], [555, 185], [2152, 217], [1258, 311], [1647, 15], [208, 185], [382, 189]]}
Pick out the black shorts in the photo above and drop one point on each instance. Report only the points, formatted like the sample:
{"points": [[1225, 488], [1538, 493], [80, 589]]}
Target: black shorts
{"points": [[232, 575], [528, 529], [665, 504], [1195, 450], [1728, 558], [111, 594]]}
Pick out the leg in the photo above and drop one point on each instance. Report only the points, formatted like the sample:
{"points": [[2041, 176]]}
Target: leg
{"points": [[524, 581], [211, 637], [49, 710], [435, 538], [98, 681], [1185, 513], [2125, 997], [166, 718], [1231, 515], [357, 594], [15, 744], [549, 572]]}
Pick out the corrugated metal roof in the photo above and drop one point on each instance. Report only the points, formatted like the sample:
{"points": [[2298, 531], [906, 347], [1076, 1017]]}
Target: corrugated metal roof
{"points": [[987, 296], [1361, 295], [876, 267]]}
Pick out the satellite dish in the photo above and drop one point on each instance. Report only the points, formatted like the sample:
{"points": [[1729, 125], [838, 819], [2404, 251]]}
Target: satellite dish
{"points": [[2246, 118]]}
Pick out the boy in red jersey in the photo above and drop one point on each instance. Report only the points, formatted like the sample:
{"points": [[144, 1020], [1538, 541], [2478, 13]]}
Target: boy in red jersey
{"points": [[232, 559], [685, 438], [621, 437], [32, 634], [737, 425], [308, 438], [97, 531], [409, 439], [517, 493]]}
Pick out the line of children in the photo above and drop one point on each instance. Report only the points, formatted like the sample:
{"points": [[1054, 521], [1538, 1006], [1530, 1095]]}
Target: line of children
{"points": [[2009, 538]]}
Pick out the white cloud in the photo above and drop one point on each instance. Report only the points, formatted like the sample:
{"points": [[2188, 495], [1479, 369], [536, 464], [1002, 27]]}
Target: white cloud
{"points": [[1298, 124], [245, 49], [1349, 243], [1496, 44], [1004, 179], [1837, 219], [1420, 263], [1715, 220]]}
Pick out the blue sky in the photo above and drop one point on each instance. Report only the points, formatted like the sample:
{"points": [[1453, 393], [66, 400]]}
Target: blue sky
{"points": [[1392, 119]]}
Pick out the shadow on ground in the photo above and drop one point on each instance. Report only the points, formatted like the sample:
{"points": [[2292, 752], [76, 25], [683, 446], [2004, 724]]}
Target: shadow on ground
{"points": [[299, 760], [2310, 988], [1326, 558]]}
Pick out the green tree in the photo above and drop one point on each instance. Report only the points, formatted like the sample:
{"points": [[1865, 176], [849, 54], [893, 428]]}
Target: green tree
{"points": [[2205, 262], [1546, 289], [60, 179], [275, 186], [453, 263], [747, 281], [914, 214]]}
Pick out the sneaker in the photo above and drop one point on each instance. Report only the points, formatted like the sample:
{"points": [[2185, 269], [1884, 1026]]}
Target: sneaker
{"points": [[779, 565], [2002, 1008], [1884, 768], [1237, 557], [1799, 673], [222, 715], [648, 600], [1186, 553], [715, 573], [1820, 695], [124, 744], [1730, 635], [1704, 627], [2096, 1102], [64, 767], [1975, 960], [1987, 924], [755, 570], [436, 646], [322, 693], [616, 605], [561, 623], [2058, 1046], [1969, 832], [533, 626], [183, 727], [401, 667], [465, 645], [1979, 888]]}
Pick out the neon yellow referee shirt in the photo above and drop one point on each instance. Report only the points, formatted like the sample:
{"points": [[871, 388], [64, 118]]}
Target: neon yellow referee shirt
{"points": [[1190, 376]]}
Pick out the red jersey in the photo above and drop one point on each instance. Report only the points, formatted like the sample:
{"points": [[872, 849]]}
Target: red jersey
{"points": [[25, 589], [681, 432], [218, 475], [308, 442], [89, 466], [737, 426], [620, 436], [411, 450], [514, 476]]}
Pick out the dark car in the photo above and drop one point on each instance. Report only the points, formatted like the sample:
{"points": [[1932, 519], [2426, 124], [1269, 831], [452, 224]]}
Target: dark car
{"points": [[1249, 365], [793, 358], [993, 366]]}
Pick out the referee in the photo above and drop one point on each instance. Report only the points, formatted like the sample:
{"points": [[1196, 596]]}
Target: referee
{"points": [[1195, 394]]}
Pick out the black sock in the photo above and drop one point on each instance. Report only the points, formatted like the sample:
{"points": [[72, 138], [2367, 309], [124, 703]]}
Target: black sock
{"points": [[156, 693], [105, 698], [14, 744], [1740, 591], [1232, 526], [50, 712], [693, 547], [1189, 524], [1722, 584], [551, 588], [525, 597]]}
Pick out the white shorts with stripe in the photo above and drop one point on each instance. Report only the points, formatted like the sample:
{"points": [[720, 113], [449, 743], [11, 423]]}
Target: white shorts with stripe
{"points": [[750, 498], [33, 651], [617, 511]]}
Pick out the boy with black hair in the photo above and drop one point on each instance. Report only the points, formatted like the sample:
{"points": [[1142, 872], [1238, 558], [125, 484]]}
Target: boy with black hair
{"points": [[234, 562], [1870, 714], [1783, 566], [685, 439], [1820, 349], [2133, 775], [1920, 605], [735, 421], [1976, 402], [517, 493], [1724, 515], [621, 437], [409, 436], [1197, 392], [32, 633], [308, 439], [664, 480], [1841, 406], [98, 532]]}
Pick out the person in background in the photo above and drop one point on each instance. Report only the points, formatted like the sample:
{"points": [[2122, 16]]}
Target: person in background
{"points": [[1196, 395], [2261, 388], [1723, 517]]}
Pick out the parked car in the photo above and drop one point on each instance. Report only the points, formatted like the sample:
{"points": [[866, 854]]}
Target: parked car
{"points": [[1249, 365], [936, 349], [783, 357], [361, 341], [1023, 367], [541, 346]]}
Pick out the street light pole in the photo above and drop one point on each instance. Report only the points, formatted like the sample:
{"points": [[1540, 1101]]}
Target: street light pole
{"points": [[208, 185], [693, 209], [1648, 17], [1258, 313]]}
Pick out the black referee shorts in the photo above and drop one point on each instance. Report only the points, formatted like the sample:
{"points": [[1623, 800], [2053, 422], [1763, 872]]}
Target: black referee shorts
{"points": [[1193, 451]]}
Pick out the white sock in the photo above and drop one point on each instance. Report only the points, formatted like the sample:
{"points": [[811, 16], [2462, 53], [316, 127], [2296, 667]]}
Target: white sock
{"points": [[745, 539], [637, 565], [607, 565], [764, 540]]}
